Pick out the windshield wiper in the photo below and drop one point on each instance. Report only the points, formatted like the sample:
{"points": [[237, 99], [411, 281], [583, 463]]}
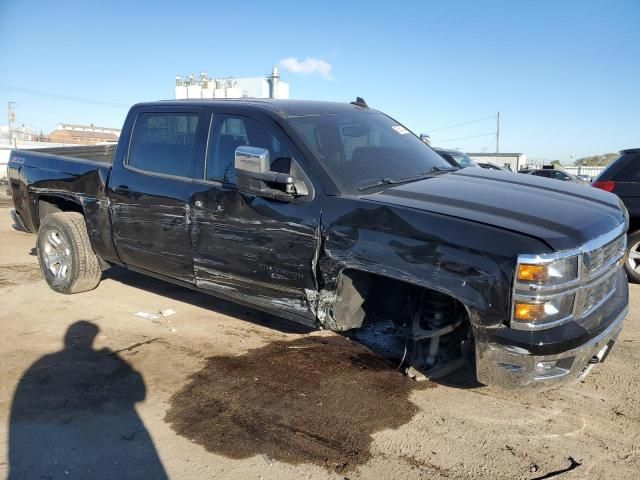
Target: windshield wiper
{"points": [[395, 181], [383, 181]]}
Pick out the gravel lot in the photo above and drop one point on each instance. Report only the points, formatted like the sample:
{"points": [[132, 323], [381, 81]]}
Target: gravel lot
{"points": [[88, 390]]}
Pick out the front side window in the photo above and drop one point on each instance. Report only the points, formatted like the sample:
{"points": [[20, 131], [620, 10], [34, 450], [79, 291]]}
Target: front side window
{"points": [[229, 132], [163, 143], [361, 148]]}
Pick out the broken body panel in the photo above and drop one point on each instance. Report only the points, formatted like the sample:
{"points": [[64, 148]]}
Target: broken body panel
{"points": [[313, 259]]}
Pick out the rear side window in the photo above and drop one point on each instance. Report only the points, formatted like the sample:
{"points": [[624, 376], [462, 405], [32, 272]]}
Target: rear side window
{"points": [[163, 143], [230, 132], [631, 171]]}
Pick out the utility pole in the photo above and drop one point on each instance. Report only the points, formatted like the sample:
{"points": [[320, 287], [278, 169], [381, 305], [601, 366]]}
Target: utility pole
{"points": [[11, 116], [498, 133]]}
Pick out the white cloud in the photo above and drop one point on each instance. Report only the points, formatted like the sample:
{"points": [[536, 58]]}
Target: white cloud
{"points": [[307, 66]]}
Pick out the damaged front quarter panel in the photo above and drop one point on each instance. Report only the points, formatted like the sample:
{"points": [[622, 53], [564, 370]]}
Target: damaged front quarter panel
{"points": [[471, 262]]}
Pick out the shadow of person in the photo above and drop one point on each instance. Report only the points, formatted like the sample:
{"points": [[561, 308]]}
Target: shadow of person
{"points": [[73, 416]]}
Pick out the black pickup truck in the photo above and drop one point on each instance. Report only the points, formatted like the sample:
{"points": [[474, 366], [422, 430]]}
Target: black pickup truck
{"points": [[337, 216]]}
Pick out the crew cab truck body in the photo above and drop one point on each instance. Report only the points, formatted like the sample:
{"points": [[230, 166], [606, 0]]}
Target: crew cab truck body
{"points": [[336, 216]]}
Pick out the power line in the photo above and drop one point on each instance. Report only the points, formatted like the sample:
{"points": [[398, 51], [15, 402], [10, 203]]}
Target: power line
{"points": [[488, 145], [463, 138], [58, 96], [461, 124]]}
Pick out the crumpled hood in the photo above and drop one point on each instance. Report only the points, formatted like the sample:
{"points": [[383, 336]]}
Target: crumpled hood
{"points": [[562, 214]]}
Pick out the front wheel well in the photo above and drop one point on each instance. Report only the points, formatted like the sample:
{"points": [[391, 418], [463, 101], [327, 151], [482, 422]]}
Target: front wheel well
{"points": [[424, 330], [360, 295]]}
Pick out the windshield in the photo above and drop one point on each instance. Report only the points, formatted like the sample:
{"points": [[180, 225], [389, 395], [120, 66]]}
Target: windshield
{"points": [[365, 148]]}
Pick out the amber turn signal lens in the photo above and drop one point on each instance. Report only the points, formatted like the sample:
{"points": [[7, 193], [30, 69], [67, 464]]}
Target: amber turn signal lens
{"points": [[532, 273], [528, 312]]}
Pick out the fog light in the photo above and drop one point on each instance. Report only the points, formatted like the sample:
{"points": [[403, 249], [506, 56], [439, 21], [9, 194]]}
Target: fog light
{"points": [[528, 311], [543, 311], [553, 368]]}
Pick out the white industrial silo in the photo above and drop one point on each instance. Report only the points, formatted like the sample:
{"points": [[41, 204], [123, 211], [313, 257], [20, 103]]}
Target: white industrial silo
{"points": [[202, 86], [218, 88], [207, 92], [181, 88], [232, 90], [206, 85], [194, 91]]}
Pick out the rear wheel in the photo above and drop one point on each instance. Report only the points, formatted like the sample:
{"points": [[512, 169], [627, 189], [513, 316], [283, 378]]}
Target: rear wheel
{"points": [[66, 258], [632, 263]]}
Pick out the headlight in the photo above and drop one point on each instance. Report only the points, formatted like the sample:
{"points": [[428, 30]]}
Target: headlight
{"points": [[551, 289], [544, 290], [548, 272], [625, 213]]}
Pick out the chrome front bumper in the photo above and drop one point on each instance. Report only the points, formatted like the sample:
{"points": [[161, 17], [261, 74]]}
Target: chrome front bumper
{"points": [[513, 367]]}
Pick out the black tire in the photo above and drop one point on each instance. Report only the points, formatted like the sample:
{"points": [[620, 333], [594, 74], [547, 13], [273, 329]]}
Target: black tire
{"points": [[67, 260], [632, 265]]}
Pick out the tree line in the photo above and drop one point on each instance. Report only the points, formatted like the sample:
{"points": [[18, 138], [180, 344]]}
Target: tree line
{"points": [[597, 160]]}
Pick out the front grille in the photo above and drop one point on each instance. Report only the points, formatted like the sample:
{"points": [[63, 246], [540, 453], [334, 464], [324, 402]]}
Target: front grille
{"points": [[595, 295], [598, 263], [600, 258]]}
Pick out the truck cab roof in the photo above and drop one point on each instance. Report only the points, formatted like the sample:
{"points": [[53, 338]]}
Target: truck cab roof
{"points": [[284, 108]]}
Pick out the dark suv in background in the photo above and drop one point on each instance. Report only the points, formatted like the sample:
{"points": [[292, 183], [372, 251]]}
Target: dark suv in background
{"points": [[622, 177]]}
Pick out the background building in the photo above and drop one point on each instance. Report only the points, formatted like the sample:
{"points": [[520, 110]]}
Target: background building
{"points": [[515, 161], [21, 132], [83, 134], [231, 87]]}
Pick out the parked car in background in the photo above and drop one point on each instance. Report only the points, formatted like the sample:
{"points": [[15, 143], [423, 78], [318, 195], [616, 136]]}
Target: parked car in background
{"points": [[585, 178], [556, 175], [493, 166], [456, 158], [622, 177]]}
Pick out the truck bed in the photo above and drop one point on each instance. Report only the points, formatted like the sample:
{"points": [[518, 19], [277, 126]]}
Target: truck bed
{"points": [[97, 153], [34, 176]]}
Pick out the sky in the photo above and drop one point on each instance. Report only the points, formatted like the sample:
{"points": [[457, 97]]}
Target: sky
{"points": [[564, 75]]}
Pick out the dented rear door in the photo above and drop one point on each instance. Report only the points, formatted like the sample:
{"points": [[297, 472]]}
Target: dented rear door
{"points": [[152, 188]]}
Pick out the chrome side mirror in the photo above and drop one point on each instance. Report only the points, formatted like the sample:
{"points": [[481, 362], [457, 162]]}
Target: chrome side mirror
{"points": [[253, 175]]}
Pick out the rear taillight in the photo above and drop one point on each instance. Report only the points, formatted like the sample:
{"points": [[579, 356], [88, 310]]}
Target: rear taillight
{"points": [[607, 186]]}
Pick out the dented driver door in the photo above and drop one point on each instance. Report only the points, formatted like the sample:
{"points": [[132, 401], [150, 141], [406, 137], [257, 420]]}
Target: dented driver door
{"points": [[256, 250]]}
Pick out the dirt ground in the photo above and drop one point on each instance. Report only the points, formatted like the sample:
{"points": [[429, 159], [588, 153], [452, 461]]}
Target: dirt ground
{"points": [[90, 391]]}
